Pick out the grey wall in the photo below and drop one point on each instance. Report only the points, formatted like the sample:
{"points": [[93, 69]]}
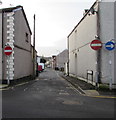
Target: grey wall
{"points": [[22, 56], [0, 46], [115, 41], [107, 13], [62, 58], [22, 50]]}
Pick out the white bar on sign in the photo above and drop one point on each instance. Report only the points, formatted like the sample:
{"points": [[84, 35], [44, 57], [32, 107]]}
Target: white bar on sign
{"points": [[8, 51], [10, 14], [96, 45]]}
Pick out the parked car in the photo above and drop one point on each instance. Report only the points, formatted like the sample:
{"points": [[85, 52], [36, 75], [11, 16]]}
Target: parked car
{"points": [[56, 68], [43, 66]]}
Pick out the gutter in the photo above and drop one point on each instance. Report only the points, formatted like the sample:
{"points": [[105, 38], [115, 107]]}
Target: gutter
{"points": [[2, 44]]}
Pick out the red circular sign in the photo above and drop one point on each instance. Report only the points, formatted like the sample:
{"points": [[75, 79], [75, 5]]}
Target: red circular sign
{"points": [[96, 44], [7, 50]]}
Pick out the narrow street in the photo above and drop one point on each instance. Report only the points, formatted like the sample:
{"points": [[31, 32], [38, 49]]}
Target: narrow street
{"points": [[50, 96]]}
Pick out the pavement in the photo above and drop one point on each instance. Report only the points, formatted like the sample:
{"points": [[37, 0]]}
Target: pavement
{"points": [[2, 86], [88, 89]]}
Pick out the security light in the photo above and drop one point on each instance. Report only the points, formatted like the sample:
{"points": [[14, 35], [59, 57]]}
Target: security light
{"points": [[92, 10]]}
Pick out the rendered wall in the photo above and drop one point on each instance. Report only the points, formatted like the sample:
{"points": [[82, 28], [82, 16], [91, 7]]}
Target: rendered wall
{"points": [[0, 46], [107, 25], [81, 56], [22, 56], [22, 62]]}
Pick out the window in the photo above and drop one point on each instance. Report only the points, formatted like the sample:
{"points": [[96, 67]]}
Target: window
{"points": [[26, 37]]}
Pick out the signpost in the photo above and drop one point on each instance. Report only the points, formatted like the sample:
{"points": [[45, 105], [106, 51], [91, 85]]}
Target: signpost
{"points": [[8, 52], [96, 45], [110, 46]]}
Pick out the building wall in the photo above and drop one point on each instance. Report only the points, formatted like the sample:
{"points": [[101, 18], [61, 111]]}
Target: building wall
{"points": [[107, 24], [22, 62], [22, 56], [62, 58], [81, 56], [0, 46], [115, 41]]}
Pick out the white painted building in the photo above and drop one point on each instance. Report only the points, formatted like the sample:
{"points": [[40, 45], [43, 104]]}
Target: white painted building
{"points": [[86, 63]]}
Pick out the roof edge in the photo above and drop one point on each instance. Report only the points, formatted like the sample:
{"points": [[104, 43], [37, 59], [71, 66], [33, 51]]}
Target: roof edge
{"points": [[11, 9], [83, 17]]}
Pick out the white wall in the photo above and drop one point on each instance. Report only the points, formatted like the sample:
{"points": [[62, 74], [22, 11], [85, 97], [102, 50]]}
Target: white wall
{"points": [[0, 46], [81, 56]]}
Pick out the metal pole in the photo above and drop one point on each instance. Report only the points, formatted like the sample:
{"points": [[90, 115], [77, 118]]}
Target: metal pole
{"points": [[34, 48], [98, 54], [110, 70], [8, 82]]}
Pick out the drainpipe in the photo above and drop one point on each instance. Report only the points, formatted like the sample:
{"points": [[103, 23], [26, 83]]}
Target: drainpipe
{"points": [[68, 56], [98, 55], [34, 48], [2, 45]]}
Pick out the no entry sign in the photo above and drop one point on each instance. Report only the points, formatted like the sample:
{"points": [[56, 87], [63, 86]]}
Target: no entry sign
{"points": [[96, 44], [7, 50]]}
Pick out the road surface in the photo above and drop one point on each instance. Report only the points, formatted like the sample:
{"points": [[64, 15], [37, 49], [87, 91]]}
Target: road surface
{"points": [[50, 96]]}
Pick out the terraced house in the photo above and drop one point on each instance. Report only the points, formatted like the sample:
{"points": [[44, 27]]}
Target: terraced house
{"points": [[16, 33]]}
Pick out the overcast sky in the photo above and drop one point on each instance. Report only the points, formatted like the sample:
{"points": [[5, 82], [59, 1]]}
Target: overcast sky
{"points": [[55, 19]]}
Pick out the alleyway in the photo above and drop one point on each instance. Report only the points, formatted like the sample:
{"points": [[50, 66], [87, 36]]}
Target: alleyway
{"points": [[50, 96]]}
